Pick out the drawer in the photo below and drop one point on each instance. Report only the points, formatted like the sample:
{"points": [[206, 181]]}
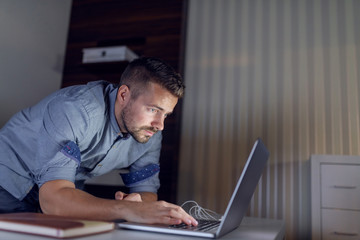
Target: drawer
{"points": [[340, 224], [340, 186]]}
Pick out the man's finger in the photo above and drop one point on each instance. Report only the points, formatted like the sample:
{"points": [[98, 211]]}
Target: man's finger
{"points": [[176, 212], [120, 195]]}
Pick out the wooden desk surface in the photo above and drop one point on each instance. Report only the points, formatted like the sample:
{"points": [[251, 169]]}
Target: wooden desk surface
{"points": [[250, 229]]}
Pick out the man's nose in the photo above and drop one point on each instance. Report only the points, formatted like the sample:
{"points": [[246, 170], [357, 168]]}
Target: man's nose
{"points": [[158, 123]]}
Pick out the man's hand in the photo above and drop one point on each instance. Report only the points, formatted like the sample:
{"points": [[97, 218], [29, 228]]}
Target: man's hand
{"points": [[158, 212], [135, 197], [167, 213]]}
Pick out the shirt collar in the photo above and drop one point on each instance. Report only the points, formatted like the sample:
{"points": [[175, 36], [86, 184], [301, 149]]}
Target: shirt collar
{"points": [[114, 123], [112, 98]]}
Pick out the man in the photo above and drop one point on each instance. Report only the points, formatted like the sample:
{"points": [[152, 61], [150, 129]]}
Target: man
{"points": [[47, 151]]}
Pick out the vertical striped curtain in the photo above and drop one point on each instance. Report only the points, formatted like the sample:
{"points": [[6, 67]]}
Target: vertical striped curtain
{"points": [[283, 70]]}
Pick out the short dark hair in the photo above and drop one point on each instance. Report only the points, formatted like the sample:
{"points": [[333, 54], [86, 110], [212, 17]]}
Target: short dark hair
{"points": [[144, 70]]}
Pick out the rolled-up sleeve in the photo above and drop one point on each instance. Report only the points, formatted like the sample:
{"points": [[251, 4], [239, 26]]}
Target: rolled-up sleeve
{"points": [[60, 167], [151, 184], [62, 123]]}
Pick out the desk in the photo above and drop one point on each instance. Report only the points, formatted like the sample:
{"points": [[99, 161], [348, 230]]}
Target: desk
{"points": [[250, 229]]}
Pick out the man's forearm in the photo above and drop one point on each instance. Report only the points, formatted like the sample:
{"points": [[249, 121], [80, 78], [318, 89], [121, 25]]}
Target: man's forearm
{"points": [[72, 202], [60, 197]]}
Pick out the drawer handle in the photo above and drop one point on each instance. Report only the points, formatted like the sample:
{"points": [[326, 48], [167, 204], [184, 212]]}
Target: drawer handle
{"points": [[346, 187], [345, 233]]}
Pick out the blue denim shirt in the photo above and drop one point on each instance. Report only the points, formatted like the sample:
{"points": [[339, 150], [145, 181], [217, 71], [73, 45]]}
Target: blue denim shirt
{"points": [[72, 135]]}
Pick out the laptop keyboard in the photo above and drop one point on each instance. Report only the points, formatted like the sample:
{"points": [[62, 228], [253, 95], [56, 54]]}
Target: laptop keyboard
{"points": [[203, 225]]}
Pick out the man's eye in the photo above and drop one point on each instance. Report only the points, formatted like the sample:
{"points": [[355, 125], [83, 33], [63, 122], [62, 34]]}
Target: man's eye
{"points": [[153, 110]]}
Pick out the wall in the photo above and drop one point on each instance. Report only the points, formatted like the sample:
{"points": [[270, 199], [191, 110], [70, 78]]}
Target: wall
{"points": [[32, 44], [283, 70]]}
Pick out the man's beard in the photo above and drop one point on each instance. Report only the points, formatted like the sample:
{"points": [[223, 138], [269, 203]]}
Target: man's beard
{"points": [[136, 132], [141, 138]]}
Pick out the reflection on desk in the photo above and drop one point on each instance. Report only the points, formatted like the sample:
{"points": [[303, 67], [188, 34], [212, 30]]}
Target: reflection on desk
{"points": [[250, 229]]}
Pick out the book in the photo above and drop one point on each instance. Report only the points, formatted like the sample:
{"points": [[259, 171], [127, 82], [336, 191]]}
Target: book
{"points": [[52, 226]]}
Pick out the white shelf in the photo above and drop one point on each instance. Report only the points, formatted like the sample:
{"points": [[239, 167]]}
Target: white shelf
{"points": [[108, 54]]}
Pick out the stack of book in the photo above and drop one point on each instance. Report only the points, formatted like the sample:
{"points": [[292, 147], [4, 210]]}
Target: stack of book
{"points": [[52, 226]]}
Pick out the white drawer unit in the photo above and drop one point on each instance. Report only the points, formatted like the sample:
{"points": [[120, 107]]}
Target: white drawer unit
{"points": [[340, 224], [335, 197]]}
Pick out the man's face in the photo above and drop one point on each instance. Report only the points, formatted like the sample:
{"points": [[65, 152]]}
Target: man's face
{"points": [[145, 115]]}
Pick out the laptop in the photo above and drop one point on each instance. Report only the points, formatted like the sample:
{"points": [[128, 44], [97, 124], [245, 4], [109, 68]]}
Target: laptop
{"points": [[235, 210]]}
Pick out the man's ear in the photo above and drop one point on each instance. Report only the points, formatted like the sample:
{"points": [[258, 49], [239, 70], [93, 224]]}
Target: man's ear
{"points": [[123, 94]]}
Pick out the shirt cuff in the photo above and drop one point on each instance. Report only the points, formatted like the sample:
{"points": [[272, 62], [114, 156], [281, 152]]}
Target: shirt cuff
{"points": [[62, 168]]}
